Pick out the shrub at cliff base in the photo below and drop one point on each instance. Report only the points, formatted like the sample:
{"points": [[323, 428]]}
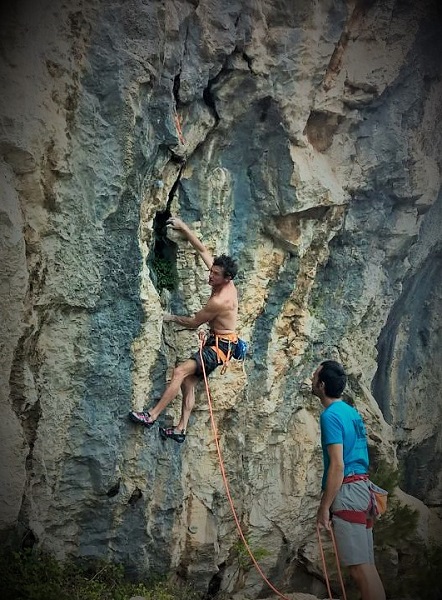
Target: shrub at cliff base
{"points": [[417, 566], [37, 576]]}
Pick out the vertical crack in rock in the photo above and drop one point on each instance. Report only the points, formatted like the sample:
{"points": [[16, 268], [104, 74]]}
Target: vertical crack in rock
{"points": [[135, 496], [162, 259], [21, 380], [176, 89], [208, 96], [23, 393], [264, 106], [216, 581], [28, 413], [173, 189], [334, 66], [248, 60], [48, 178]]}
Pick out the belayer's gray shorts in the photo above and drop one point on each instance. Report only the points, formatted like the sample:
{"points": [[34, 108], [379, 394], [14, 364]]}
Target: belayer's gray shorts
{"points": [[354, 540]]}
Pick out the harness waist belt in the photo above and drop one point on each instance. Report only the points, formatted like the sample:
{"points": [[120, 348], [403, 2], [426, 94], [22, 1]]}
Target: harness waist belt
{"points": [[352, 478], [355, 516], [362, 517], [225, 337]]}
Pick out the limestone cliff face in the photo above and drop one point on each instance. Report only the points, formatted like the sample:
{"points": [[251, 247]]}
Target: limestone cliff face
{"points": [[303, 138]]}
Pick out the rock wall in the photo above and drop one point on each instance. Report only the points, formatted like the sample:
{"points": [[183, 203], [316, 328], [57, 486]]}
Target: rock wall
{"points": [[304, 139]]}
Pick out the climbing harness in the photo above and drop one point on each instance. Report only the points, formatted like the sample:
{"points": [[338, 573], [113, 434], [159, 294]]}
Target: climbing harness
{"points": [[324, 565], [229, 339], [362, 517], [377, 504], [240, 348], [224, 476]]}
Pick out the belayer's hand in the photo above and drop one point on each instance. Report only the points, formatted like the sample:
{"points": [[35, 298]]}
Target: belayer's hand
{"points": [[168, 318], [323, 517]]}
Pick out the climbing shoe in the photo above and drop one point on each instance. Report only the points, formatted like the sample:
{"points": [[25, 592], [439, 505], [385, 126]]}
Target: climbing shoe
{"points": [[142, 417], [171, 434]]}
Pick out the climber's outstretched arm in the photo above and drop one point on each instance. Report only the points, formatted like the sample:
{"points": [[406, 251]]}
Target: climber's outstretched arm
{"points": [[178, 224], [206, 315]]}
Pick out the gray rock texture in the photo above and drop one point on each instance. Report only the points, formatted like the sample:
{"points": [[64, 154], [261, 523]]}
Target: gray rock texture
{"points": [[303, 138]]}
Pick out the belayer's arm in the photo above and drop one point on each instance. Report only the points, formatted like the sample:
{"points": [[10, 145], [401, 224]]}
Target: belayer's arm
{"points": [[335, 475]]}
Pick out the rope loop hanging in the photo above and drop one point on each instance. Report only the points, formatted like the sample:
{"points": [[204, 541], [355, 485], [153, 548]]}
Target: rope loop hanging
{"points": [[224, 476], [232, 506]]}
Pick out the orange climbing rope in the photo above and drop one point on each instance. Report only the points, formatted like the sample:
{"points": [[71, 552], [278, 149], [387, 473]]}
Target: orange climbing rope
{"points": [[178, 120], [321, 549], [232, 506], [223, 473]]}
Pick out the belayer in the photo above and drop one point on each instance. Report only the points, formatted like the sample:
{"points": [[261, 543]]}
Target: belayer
{"points": [[346, 502], [221, 313]]}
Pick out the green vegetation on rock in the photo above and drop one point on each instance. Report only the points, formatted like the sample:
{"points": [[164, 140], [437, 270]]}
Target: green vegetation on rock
{"points": [[38, 576]]}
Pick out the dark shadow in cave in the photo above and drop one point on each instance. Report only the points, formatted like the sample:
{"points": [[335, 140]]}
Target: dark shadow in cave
{"points": [[162, 258], [215, 583]]}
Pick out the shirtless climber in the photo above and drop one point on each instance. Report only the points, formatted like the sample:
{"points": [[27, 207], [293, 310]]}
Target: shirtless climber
{"points": [[220, 312]]}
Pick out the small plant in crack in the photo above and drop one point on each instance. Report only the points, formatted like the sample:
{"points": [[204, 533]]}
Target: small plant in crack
{"points": [[162, 261]]}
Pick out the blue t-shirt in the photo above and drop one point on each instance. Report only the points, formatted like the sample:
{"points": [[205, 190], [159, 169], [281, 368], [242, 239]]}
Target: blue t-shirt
{"points": [[342, 424]]}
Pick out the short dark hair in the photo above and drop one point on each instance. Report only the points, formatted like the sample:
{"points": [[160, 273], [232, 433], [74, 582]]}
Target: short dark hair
{"points": [[229, 266], [334, 378]]}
